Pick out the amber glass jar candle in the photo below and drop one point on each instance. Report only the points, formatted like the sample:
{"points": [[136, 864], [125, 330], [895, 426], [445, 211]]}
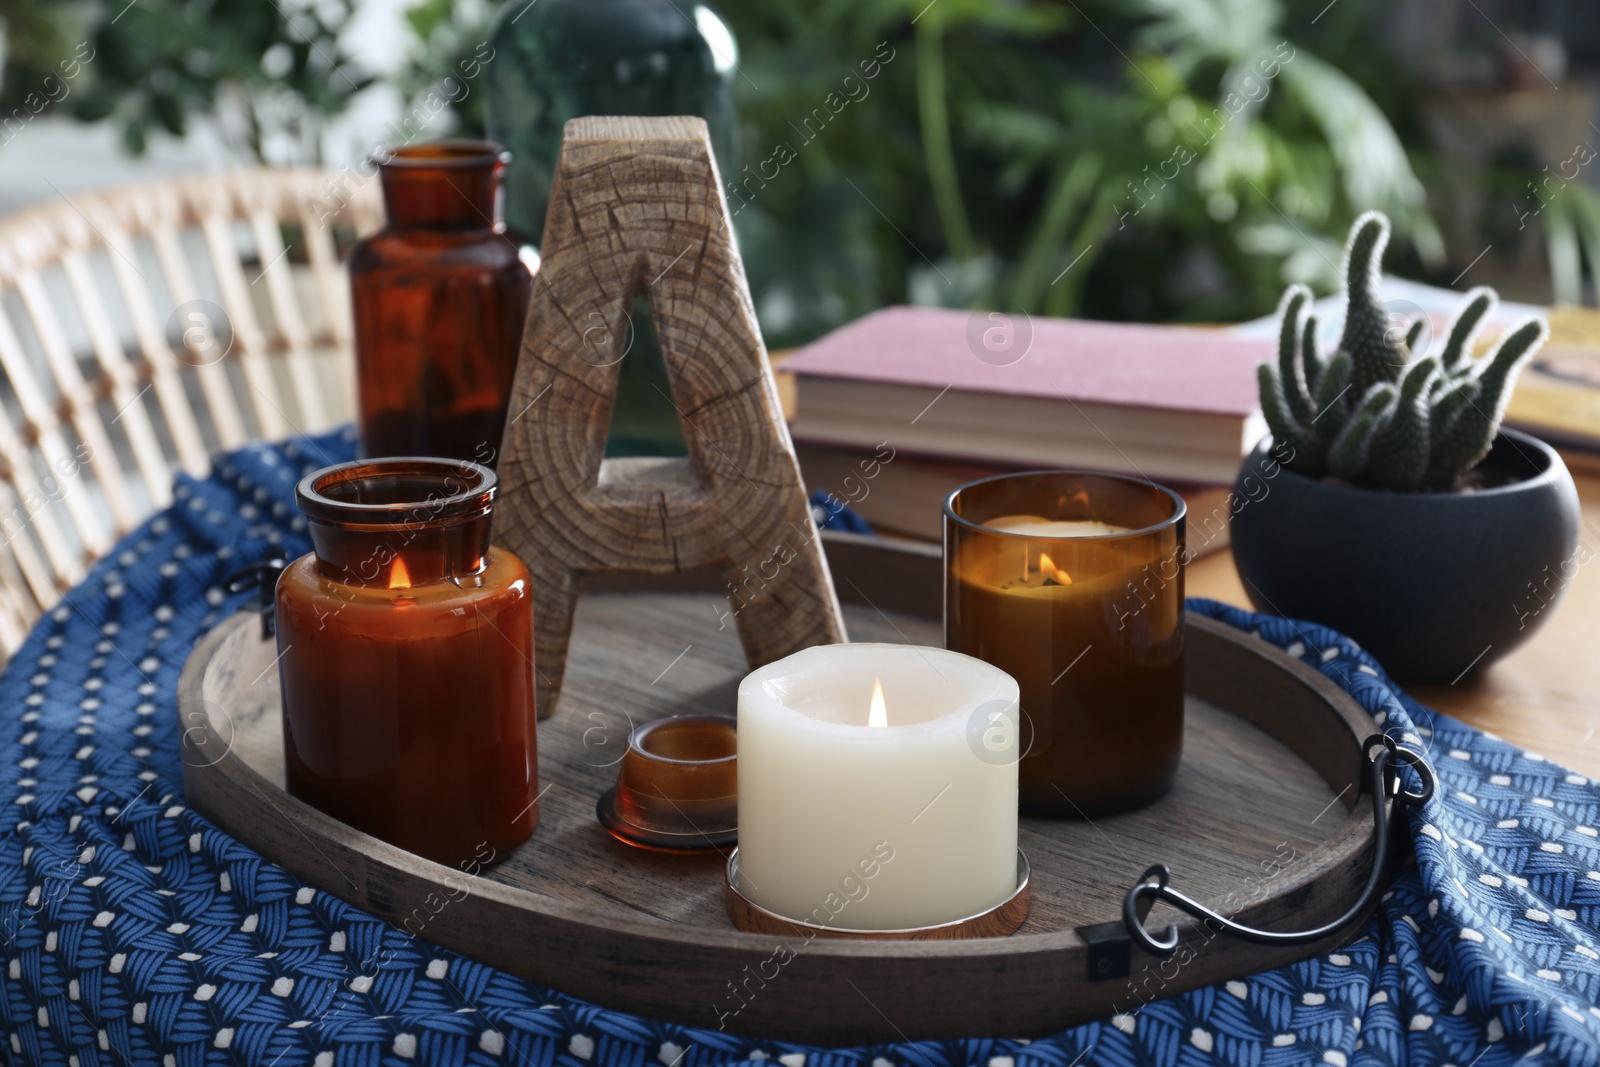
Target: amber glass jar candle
{"points": [[406, 655], [440, 295], [1072, 583]]}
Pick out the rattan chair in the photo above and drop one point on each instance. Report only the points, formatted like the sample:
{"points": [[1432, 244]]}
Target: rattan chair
{"points": [[144, 328]]}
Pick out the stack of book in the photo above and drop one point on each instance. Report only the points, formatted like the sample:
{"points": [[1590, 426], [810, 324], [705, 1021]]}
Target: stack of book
{"points": [[1558, 395], [895, 410]]}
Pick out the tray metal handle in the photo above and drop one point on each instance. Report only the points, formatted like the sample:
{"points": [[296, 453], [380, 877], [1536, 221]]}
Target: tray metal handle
{"points": [[262, 577], [1109, 942]]}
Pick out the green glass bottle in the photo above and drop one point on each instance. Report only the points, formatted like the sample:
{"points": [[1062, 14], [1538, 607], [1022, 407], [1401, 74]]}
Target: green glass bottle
{"points": [[555, 60]]}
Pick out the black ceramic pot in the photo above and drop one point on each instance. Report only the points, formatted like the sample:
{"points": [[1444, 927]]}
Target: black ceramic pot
{"points": [[1432, 584]]}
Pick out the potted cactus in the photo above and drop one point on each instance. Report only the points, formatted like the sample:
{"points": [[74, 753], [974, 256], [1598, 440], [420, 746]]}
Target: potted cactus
{"points": [[1389, 503]]}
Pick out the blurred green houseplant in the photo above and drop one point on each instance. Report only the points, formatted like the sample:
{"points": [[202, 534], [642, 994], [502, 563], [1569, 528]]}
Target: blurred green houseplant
{"points": [[36, 40], [1571, 220], [1116, 158], [449, 35], [1146, 159], [271, 72]]}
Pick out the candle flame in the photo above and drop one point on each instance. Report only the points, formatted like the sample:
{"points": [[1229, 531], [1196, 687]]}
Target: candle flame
{"points": [[399, 577], [1051, 573], [878, 716]]}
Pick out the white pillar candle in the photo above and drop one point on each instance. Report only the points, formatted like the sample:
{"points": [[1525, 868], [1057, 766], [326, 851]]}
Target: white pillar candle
{"points": [[886, 819]]}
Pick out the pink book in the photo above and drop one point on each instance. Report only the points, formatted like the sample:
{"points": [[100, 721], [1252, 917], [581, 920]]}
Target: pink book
{"points": [[1159, 401], [1099, 362]]}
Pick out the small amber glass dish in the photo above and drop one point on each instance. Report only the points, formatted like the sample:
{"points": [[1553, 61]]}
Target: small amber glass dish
{"points": [[677, 786]]}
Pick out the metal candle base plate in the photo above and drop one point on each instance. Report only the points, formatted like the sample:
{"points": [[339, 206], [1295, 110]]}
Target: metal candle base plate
{"points": [[1002, 920]]}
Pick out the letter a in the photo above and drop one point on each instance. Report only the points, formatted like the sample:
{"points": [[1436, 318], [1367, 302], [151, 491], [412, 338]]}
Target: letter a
{"points": [[637, 208]]}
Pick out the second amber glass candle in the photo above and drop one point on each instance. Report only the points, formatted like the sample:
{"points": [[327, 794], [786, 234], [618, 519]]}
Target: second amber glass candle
{"points": [[406, 655], [1072, 583]]}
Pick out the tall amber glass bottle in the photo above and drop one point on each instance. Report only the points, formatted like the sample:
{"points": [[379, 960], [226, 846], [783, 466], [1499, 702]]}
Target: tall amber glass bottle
{"points": [[440, 294], [405, 650]]}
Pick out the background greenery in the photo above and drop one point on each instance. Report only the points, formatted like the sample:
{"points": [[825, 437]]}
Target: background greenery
{"points": [[992, 162], [1002, 142], [271, 75]]}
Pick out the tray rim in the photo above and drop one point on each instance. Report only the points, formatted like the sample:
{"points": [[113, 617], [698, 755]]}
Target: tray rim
{"points": [[231, 778]]}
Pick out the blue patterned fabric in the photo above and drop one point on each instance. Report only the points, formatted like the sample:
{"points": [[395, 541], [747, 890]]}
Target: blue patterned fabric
{"points": [[133, 932]]}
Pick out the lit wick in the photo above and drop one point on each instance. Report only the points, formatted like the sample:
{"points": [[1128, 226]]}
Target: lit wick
{"points": [[1050, 573], [399, 577], [878, 716]]}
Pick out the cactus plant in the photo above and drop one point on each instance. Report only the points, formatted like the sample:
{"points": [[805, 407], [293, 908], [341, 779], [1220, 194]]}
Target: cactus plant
{"points": [[1374, 412]]}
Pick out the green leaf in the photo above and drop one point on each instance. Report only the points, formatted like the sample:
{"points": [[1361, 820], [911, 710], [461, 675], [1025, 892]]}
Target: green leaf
{"points": [[1401, 450], [93, 106], [427, 16], [1313, 362], [1069, 191], [1292, 375], [1306, 448], [168, 112], [1457, 355], [1347, 456], [1472, 432], [133, 137], [1372, 163], [1331, 392], [1024, 20], [1561, 240], [1198, 29], [1586, 216]]}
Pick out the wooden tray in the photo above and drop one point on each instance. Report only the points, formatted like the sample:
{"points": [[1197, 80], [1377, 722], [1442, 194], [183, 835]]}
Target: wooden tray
{"points": [[1264, 822]]}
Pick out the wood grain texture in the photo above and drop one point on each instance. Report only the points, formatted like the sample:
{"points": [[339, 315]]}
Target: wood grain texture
{"points": [[1543, 696], [1260, 823], [637, 209]]}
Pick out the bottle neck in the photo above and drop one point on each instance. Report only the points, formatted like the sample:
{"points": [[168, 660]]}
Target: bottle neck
{"points": [[446, 185], [399, 523]]}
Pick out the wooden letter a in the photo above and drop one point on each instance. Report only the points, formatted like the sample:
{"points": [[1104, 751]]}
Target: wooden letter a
{"points": [[637, 207]]}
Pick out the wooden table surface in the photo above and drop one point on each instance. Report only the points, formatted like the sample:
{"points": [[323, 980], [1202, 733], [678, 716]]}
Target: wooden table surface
{"points": [[1545, 696]]}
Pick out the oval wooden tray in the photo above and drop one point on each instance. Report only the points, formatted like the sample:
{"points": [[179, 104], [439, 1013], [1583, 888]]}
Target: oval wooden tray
{"points": [[1264, 822]]}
